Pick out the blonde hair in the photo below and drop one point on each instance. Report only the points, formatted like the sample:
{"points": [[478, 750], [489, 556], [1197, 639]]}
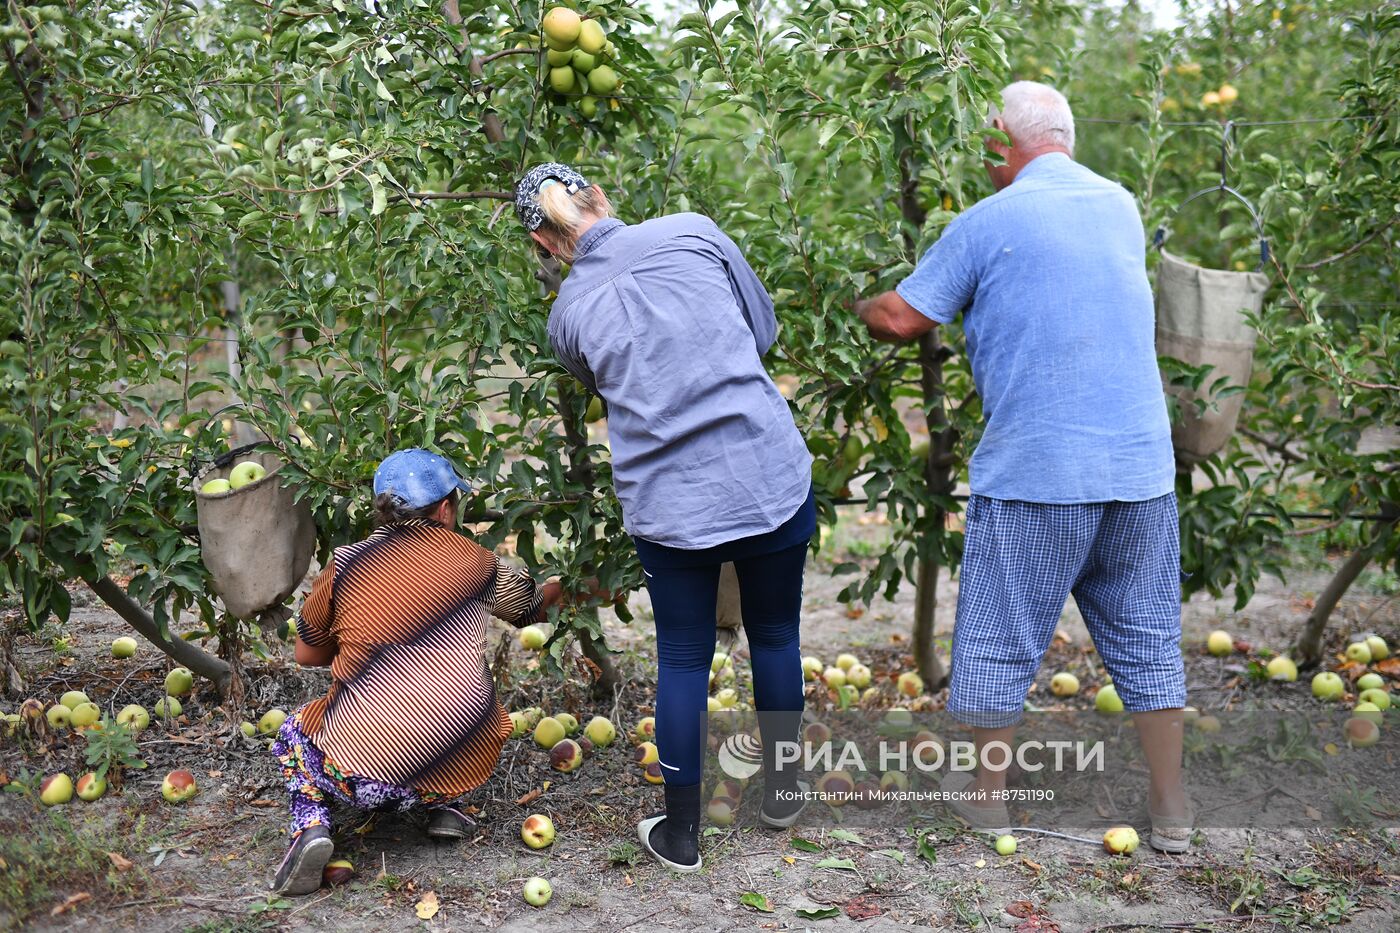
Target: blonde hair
{"points": [[566, 214]]}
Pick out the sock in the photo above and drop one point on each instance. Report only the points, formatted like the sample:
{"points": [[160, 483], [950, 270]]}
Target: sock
{"points": [[677, 837]]}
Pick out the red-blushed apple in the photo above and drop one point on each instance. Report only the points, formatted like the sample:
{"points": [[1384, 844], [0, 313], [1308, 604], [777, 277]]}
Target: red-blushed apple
{"points": [[90, 786], [56, 789], [1120, 840], [867, 795], [566, 756], [645, 728], [653, 773], [537, 891], [537, 831], [179, 785], [600, 731], [1361, 732], [337, 872], [837, 786], [910, 684], [816, 734]]}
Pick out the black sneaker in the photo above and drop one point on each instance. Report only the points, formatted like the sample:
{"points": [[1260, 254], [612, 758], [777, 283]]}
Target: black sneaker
{"points": [[300, 871], [678, 855], [780, 814], [449, 823]]}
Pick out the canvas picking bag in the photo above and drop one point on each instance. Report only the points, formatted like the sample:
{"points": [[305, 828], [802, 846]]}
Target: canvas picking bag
{"points": [[257, 542], [1201, 321]]}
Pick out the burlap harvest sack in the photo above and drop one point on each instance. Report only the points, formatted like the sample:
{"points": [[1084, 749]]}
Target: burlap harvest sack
{"points": [[1201, 321], [727, 612], [257, 542]]}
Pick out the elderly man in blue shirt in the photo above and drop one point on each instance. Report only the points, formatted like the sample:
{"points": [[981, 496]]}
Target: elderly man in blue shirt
{"points": [[1072, 479]]}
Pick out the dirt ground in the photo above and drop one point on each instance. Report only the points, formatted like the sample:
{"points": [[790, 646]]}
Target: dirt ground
{"points": [[132, 861]]}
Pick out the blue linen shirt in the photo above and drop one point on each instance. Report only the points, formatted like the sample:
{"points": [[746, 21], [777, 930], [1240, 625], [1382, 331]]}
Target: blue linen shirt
{"points": [[666, 321], [1050, 274]]}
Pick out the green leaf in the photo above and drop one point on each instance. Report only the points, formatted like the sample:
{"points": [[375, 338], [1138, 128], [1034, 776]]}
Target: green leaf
{"points": [[804, 845], [755, 901], [845, 835], [837, 864], [818, 913]]}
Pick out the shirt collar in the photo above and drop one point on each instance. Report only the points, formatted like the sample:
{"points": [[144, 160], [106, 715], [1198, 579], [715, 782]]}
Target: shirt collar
{"points": [[1044, 163], [596, 234]]}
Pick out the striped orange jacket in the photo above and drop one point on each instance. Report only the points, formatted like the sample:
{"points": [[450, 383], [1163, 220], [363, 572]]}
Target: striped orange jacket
{"points": [[411, 701]]}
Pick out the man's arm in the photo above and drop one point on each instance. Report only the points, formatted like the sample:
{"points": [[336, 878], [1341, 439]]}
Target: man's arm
{"points": [[889, 317], [311, 656]]}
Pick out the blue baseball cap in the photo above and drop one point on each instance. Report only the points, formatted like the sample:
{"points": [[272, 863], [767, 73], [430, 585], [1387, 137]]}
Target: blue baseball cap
{"points": [[417, 477]]}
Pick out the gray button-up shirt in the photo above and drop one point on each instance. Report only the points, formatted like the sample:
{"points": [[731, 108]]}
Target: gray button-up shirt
{"points": [[666, 321]]}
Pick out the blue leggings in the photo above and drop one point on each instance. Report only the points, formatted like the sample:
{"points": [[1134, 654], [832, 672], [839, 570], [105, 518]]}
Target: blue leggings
{"points": [[684, 587]]}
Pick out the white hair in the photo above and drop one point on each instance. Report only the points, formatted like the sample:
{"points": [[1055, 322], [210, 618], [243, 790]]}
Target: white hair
{"points": [[1035, 115]]}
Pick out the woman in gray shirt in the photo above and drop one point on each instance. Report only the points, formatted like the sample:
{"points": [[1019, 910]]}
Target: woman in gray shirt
{"points": [[666, 321]]}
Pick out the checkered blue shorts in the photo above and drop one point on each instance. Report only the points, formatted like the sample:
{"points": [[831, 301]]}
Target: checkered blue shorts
{"points": [[1122, 563]]}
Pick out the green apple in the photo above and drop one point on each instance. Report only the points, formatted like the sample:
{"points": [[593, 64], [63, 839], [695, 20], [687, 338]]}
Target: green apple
{"points": [[1375, 695], [858, 676], [1359, 652], [812, 668], [59, 717], [910, 684], [848, 695], [537, 891], [595, 411], [1379, 649], [1361, 732], [720, 812], [247, 729], [549, 732], [532, 638], [85, 715], [846, 661], [1282, 668], [73, 699], [1120, 840], [600, 731], [179, 785], [179, 682], [562, 80], [90, 786], [558, 58], [124, 647], [566, 756], [602, 80], [1107, 700], [569, 723], [271, 721], [1369, 711], [1220, 643], [562, 25], [834, 677], [894, 781], [216, 487], [1326, 685], [712, 705], [168, 708], [718, 661], [899, 719], [1206, 723], [1064, 684], [591, 37], [1370, 681], [728, 697], [519, 725], [134, 717], [645, 728], [56, 789], [532, 716], [1005, 845], [582, 61], [249, 471], [537, 831]]}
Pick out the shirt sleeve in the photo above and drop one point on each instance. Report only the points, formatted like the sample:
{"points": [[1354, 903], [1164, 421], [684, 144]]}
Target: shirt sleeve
{"points": [[945, 280], [753, 299], [515, 596], [314, 619], [567, 354]]}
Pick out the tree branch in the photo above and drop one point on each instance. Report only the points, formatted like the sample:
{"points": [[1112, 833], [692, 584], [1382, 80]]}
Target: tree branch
{"points": [[1350, 250]]}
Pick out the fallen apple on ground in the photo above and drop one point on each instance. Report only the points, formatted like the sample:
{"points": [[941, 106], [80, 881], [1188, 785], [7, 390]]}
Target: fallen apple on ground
{"points": [[1368, 711], [1379, 649], [249, 471], [179, 785], [271, 721], [337, 871], [846, 661], [532, 638], [1282, 668], [645, 728], [600, 731], [858, 676], [85, 715], [59, 717], [1370, 681], [910, 684], [56, 789], [90, 786], [73, 699], [816, 734], [1206, 723], [720, 812], [1361, 733], [837, 786], [537, 831], [645, 754], [1219, 643], [718, 661], [568, 721], [1326, 685], [812, 668], [1107, 700], [1064, 684], [549, 732], [834, 677], [892, 781], [167, 708], [179, 682], [1379, 697], [124, 647], [566, 756], [247, 729], [1359, 652], [537, 891], [1120, 840], [653, 773], [1006, 844]]}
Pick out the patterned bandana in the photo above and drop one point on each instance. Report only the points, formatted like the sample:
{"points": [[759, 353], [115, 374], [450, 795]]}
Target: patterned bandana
{"points": [[527, 190]]}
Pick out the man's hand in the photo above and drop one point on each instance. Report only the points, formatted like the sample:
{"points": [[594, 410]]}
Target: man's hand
{"points": [[889, 317]]}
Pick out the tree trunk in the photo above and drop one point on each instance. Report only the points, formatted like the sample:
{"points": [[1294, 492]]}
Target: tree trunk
{"points": [[192, 657], [607, 683], [1308, 650]]}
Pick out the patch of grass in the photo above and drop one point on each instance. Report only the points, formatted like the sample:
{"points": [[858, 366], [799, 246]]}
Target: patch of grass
{"points": [[49, 858], [625, 853]]}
